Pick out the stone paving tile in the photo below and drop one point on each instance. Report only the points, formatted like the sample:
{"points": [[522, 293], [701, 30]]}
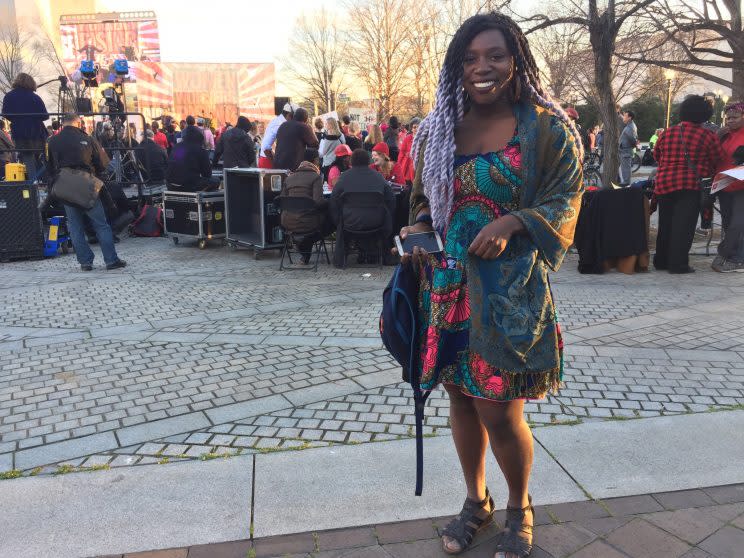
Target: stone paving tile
{"points": [[152, 392], [640, 539], [726, 543], [691, 525], [684, 499]]}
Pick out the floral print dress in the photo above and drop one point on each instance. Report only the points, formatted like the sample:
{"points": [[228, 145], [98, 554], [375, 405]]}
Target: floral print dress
{"points": [[487, 186]]}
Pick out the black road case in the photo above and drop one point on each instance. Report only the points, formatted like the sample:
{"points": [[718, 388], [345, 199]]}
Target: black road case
{"points": [[21, 228], [194, 215], [252, 216]]}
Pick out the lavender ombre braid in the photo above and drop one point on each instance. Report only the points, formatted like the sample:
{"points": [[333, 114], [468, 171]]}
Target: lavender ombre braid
{"points": [[438, 128]]}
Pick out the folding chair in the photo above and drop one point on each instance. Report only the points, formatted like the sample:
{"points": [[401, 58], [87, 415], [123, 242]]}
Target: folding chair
{"points": [[365, 201], [300, 205]]}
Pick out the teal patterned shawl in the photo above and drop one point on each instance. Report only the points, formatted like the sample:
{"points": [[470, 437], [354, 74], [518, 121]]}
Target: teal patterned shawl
{"points": [[512, 311]]}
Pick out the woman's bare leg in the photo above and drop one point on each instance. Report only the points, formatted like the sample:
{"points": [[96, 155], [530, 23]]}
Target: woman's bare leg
{"points": [[512, 444], [471, 441]]}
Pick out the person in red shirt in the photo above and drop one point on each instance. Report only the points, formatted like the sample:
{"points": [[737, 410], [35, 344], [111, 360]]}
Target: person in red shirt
{"points": [[160, 138], [392, 172], [405, 159], [731, 249], [686, 153]]}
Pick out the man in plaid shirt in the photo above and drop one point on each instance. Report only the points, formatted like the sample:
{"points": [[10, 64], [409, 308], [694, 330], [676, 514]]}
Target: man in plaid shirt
{"points": [[686, 153]]}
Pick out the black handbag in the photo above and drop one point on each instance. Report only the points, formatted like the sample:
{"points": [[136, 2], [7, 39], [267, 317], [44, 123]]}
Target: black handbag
{"points": [[77, 187]]}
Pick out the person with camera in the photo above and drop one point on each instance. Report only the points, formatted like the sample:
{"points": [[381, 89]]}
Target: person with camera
{"points": [[73, 150]]}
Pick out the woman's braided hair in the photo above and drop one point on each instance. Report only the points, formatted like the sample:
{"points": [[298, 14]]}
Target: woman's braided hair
{"points": [[438, 128]]}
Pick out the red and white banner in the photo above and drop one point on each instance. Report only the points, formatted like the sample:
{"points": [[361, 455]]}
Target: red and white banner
{"points": [[256, 90]]}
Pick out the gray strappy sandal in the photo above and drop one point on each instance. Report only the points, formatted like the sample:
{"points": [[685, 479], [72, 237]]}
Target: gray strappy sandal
{"points": [[516, 537], [467, 523]]}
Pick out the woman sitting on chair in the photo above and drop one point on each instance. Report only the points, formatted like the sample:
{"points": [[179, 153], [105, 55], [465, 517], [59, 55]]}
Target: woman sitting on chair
{"points": [[307, 182]]}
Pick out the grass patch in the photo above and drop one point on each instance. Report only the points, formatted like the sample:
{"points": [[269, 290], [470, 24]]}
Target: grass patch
{"points": [[211, 455], [64, 469], [718, 409], [35, 471], [306, 444], [164, 460], [12, 474], [102, 467]]}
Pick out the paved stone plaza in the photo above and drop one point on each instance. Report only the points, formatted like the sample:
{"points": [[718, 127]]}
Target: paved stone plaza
{"points": [[190, 354], [178, 392]]}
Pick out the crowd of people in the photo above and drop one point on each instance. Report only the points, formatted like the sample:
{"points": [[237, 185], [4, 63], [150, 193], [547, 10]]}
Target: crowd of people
{"points": [[685, 158], [184, 154]]}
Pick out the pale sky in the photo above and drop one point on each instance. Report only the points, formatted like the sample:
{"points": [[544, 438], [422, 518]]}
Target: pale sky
{"points": [[223, 30]]}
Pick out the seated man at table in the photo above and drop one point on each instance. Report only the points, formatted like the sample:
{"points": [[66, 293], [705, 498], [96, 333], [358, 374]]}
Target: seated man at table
{"points": [[189, 168], [361, 178], [307, 182]]}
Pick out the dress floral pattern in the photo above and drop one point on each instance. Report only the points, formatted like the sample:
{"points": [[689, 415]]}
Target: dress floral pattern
{"points": [[487, 186]]}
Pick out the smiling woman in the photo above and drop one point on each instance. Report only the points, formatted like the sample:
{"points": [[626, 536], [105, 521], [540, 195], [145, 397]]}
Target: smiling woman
{"points": [[498, 175]]}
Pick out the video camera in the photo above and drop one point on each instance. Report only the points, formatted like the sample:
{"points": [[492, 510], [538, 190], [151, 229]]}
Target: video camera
{"points": [[112, 101]]}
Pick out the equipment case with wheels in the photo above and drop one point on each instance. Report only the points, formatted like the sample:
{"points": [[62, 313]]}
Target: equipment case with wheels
{"points": [[251, 212], [197, 216], [21, 228]]}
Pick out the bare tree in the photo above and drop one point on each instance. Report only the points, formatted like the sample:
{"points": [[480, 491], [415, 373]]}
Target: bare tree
{"points": [[317, 58], [380, 51], [562, 53], [18, 53], [432, 27], [708, 34], [603, 24]]}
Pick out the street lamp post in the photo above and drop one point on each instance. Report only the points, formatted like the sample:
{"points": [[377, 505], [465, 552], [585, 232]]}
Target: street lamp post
{"points": [[719, 95], [669, 75]]}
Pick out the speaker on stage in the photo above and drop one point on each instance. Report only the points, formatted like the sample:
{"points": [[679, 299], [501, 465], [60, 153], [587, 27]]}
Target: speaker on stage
{"points": [[83, 105], [21, 228], [279, 103]]}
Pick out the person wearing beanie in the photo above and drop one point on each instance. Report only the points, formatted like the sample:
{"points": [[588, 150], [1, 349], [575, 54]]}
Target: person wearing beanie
{"points": [[236, 147], [340, 165], [307, 182], [390, 171]]}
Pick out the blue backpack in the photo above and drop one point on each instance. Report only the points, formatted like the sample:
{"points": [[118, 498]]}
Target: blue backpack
{"points": [[399, 330]]}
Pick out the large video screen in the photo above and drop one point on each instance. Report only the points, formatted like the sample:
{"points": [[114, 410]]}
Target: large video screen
{"points": [[103, 42]]}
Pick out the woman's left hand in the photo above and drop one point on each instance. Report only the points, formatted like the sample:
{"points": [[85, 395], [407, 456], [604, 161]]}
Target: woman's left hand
{"points": [[491, 241]]}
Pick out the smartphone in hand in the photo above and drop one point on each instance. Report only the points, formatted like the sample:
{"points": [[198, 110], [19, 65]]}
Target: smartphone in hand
{"points": [[429, 241]]}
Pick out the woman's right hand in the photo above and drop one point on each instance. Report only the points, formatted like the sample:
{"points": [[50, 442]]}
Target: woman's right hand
{"points": [[419, 254]]}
